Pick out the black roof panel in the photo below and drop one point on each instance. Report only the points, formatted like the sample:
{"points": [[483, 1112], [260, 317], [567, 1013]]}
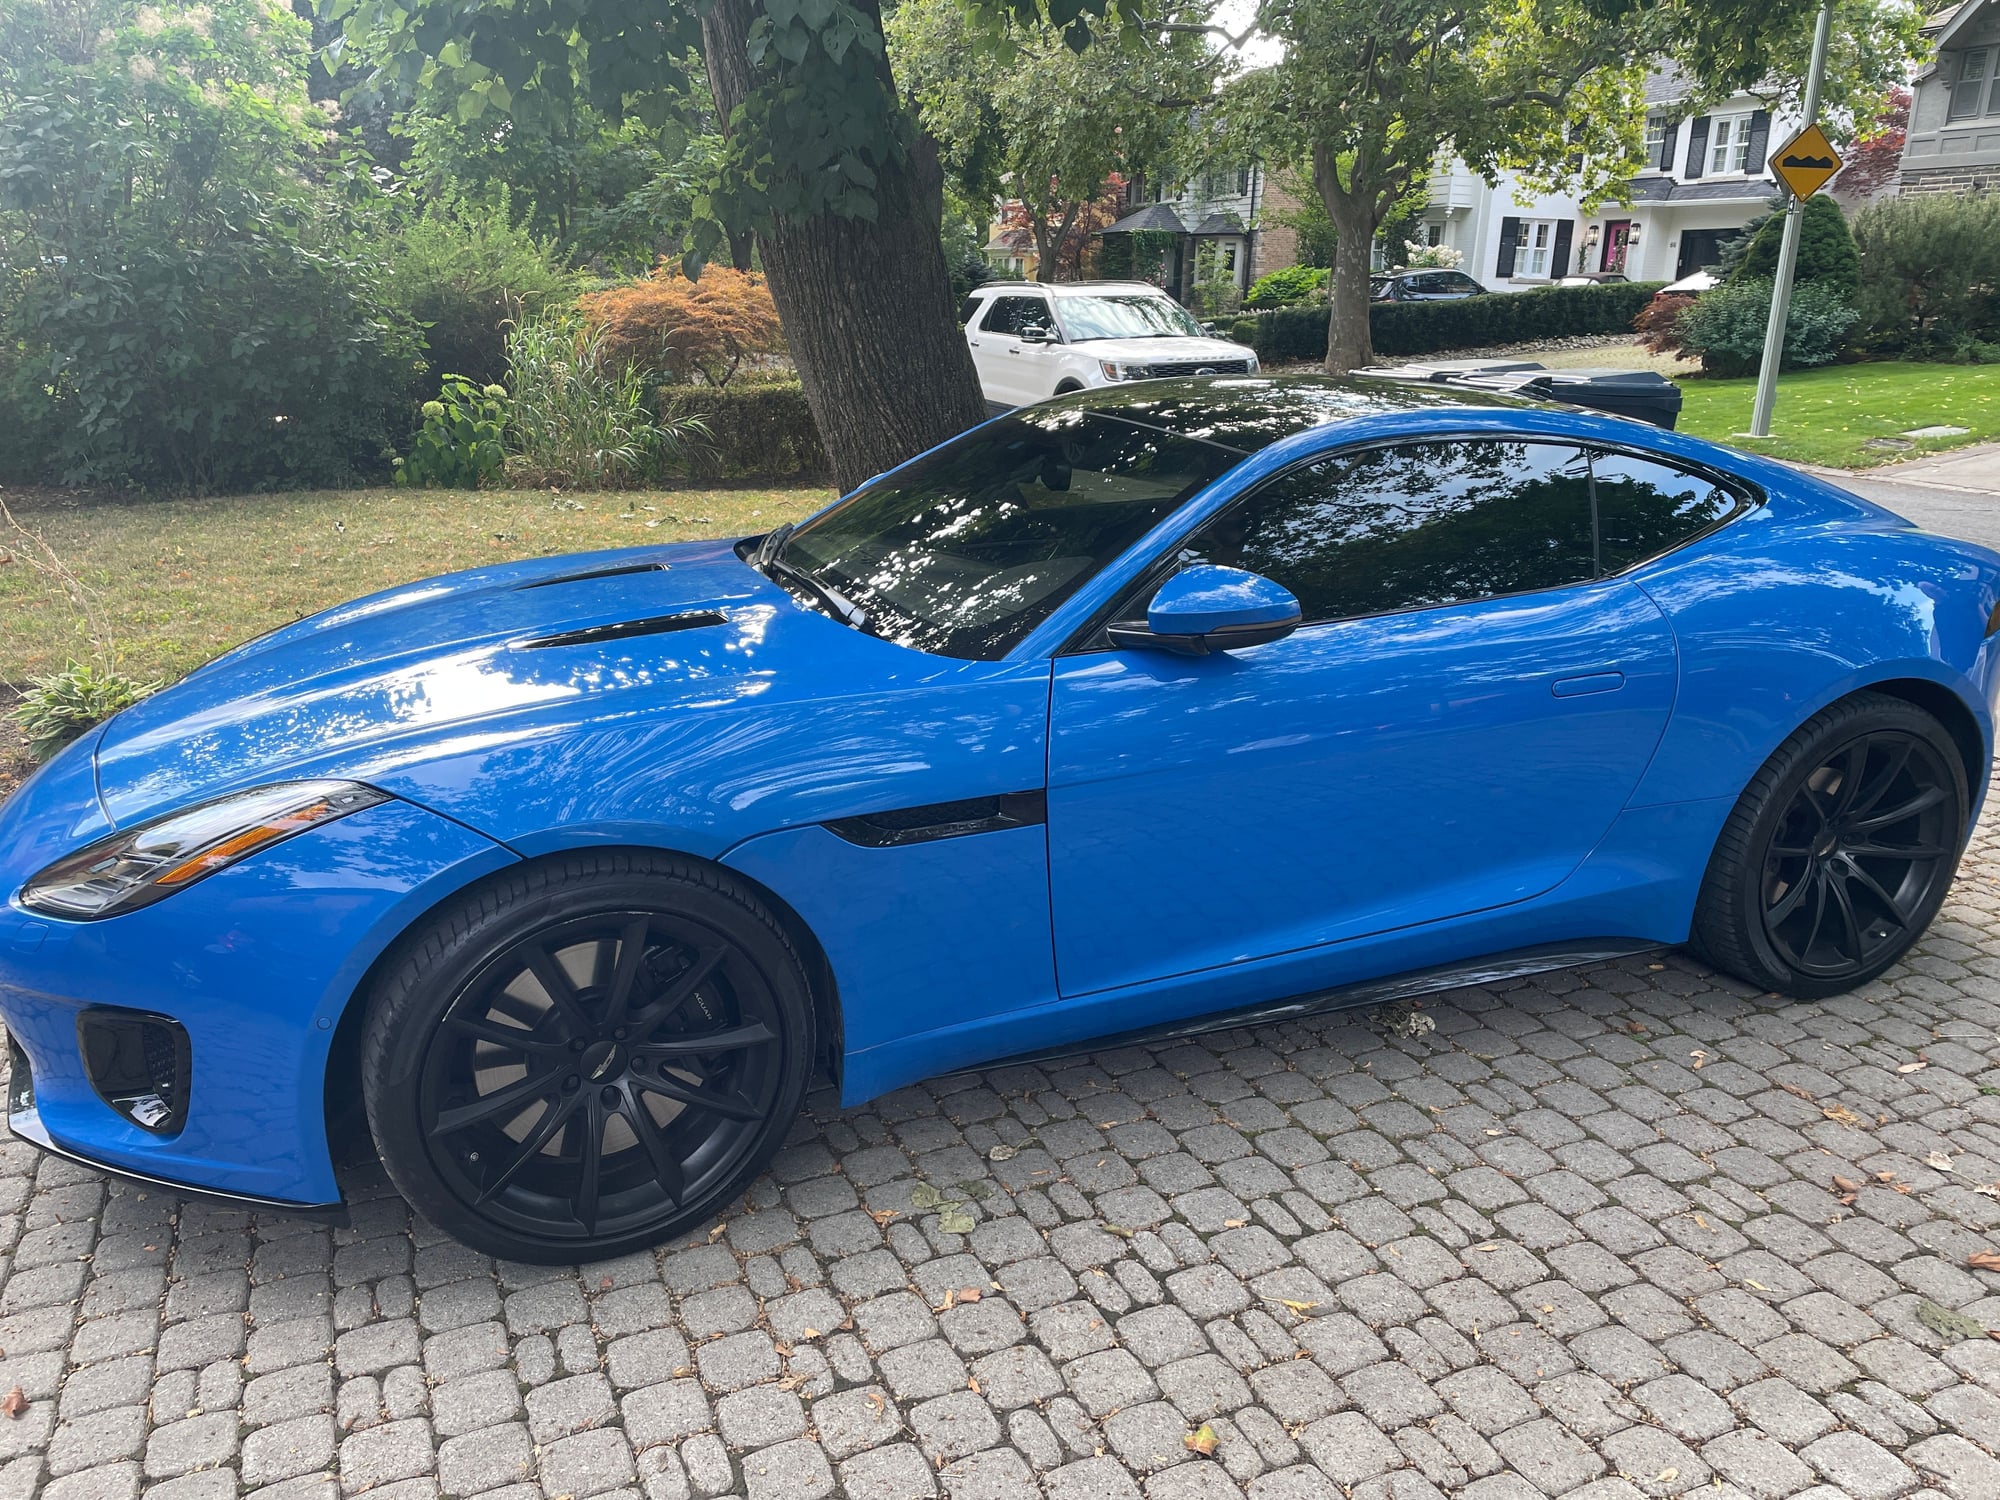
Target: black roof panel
{"points": [[1249, 412]]}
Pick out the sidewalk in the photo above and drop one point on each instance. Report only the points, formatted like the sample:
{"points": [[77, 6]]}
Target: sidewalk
{"points": [[1954, 494]]}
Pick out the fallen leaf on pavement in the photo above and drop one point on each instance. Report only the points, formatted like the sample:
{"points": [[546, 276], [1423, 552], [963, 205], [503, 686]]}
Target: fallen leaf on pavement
{"points": [[1298, 1307], [1984, 1260], [1885, 1176], [1915, 1067], [1841, 1114], [1699, 1057], [1939, 1160], [1202, 1440], [14, 1402], [1234, 1223], [950, 1301], [1120, 1230], [1845, 1185], [1667, 1474], [878, 1402], [884, 1215], [1793, 1088], [1003, 1153], [969, 1294]]}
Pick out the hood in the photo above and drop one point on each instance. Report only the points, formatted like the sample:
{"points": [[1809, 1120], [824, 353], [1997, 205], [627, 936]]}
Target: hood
{"points": [[343, 690], [1162, 350]]}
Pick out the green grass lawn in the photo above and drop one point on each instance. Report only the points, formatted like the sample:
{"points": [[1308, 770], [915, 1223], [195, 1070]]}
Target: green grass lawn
{"points": [[179, 581], [1824, 416]]}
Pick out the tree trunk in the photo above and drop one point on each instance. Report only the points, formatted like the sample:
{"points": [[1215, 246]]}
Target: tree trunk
{"points": [[866, 305], [1349, 345]]}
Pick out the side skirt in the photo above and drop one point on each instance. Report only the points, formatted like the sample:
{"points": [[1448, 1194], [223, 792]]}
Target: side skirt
{"points": [[1516, 963]]}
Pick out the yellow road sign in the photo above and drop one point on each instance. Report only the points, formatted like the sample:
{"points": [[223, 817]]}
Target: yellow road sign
{"points": [[1806, 163]]}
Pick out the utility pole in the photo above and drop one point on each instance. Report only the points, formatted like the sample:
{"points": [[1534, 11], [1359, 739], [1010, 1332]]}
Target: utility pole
{"points": [[1788, 250]]}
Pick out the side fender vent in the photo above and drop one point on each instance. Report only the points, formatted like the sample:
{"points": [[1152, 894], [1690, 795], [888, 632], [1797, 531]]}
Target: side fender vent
{"points": [[942, 820], [624, 629]]}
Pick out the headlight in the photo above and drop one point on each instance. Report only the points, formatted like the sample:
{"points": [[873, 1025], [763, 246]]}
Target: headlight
{"points": [[150, 862], [1250, 363], [1119, 369]]}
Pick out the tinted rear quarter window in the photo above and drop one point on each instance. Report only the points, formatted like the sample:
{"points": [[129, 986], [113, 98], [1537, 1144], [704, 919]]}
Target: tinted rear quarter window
{"points": [[1646, 508]]}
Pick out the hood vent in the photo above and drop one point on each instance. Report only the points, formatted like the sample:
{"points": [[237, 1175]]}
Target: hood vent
{"points": [[618, 572], [592, 635]]}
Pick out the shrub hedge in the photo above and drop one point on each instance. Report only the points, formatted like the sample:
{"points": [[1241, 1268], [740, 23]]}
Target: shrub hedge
{"points": [[1406, 328], [756, 430]]}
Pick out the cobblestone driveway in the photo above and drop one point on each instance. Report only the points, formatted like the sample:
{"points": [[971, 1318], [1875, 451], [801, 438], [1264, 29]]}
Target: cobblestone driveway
{"points": [[1583, 1239]]}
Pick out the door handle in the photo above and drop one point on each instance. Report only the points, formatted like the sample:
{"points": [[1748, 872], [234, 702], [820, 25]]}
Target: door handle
{"points": [[1588, 682]]}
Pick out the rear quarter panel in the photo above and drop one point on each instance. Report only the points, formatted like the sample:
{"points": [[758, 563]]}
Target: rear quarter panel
{"points": [[1809, 597]]}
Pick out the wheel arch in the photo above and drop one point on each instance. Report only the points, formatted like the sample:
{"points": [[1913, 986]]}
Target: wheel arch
{"points": [[345, 1121], [1957, 717], [1067, 385]]}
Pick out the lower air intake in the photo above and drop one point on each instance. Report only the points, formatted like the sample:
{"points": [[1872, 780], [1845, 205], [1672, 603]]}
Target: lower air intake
{"points": [[139, 1064]]}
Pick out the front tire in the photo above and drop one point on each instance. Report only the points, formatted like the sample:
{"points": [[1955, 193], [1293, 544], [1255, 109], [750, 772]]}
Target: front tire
{"points": [[1839, 853], [587, 1056]]}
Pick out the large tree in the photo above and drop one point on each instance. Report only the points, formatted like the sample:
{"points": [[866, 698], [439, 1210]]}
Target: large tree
{"points": [[822, 163], [1048, 123], [1371, 93]]}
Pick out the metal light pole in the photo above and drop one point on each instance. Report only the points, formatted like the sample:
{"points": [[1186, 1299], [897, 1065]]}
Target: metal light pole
{"points": [[1788, 251]]}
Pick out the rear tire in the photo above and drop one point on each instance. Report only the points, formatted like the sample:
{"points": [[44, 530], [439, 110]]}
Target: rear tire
{"points": [[587, 1056], [1839, 852]]}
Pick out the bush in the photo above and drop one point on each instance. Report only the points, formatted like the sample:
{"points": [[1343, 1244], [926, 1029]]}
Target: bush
{"points": [[459, 443], [1725, 327], [261, 359], [1930, 273], [664, 324], [575, 417], [1411, 328], [1292, 285], [1826, 249], [1658, 323], [463, 271], [59, 707], [753, 430]]}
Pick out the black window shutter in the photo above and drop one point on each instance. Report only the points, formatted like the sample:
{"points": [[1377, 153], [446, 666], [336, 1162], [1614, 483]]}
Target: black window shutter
{"points": [[1697, 146], [1665, 163], [1760, 142], [1510, 238], [1559, 266]]}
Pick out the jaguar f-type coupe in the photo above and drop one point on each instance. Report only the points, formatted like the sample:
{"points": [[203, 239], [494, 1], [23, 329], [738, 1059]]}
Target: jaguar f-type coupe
{"points": [[1148, 709]]}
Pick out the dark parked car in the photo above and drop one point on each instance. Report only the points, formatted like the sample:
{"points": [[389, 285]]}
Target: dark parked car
{"points": [[1422, 286]]}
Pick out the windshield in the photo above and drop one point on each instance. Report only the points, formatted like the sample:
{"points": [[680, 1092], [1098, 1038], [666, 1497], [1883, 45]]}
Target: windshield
{"points": [[968, 549], [1125, 315]]}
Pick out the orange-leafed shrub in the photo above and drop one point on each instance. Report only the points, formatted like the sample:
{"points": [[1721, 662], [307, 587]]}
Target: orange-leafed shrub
{"points": [[682, 328]]}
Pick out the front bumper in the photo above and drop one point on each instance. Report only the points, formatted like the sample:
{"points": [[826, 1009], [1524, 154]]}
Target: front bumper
{"points": [[258, 964], [25, 1123]]}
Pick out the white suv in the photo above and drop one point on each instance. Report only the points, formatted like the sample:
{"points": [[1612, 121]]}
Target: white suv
{"points": [[1032, 340]]}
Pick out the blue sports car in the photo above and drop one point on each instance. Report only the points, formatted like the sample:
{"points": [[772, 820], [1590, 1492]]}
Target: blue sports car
{"points": [[1145, 710]]}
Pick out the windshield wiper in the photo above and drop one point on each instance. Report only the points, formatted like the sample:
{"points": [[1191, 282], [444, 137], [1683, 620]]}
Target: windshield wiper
{"points": [[773, 546], [769, 560]]}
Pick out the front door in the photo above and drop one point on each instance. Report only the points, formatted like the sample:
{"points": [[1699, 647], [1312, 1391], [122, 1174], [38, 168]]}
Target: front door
{"points": [[1009, 369], [1466, 710], [1617, 236]]}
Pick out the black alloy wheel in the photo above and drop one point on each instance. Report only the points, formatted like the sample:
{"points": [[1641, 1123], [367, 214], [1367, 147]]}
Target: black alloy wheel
{"points": [[594, 1067], [1839, 853], [1857, 853]]}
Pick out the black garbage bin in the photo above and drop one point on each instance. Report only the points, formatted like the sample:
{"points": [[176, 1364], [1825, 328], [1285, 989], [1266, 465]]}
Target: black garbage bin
{"points": [[1644, 395]]}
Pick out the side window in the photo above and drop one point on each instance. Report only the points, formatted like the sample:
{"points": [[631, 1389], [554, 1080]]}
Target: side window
{"points": [[968, 310], [1012, 314], [1413, 526], [1646, 508]]}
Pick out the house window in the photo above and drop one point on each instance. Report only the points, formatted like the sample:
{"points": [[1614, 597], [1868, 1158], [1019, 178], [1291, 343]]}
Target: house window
{"points": [[1538, 237], [1243, 182], [1728, 143], [1229, 249], [1975, 66], [1656, 137]]}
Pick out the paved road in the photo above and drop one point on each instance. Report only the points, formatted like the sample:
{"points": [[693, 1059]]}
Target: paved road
{"points": [[1585, 1238], [1956, 493]]}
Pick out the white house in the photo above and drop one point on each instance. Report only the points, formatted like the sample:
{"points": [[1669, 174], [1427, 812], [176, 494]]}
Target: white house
{"points": [[1705, 177]]}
